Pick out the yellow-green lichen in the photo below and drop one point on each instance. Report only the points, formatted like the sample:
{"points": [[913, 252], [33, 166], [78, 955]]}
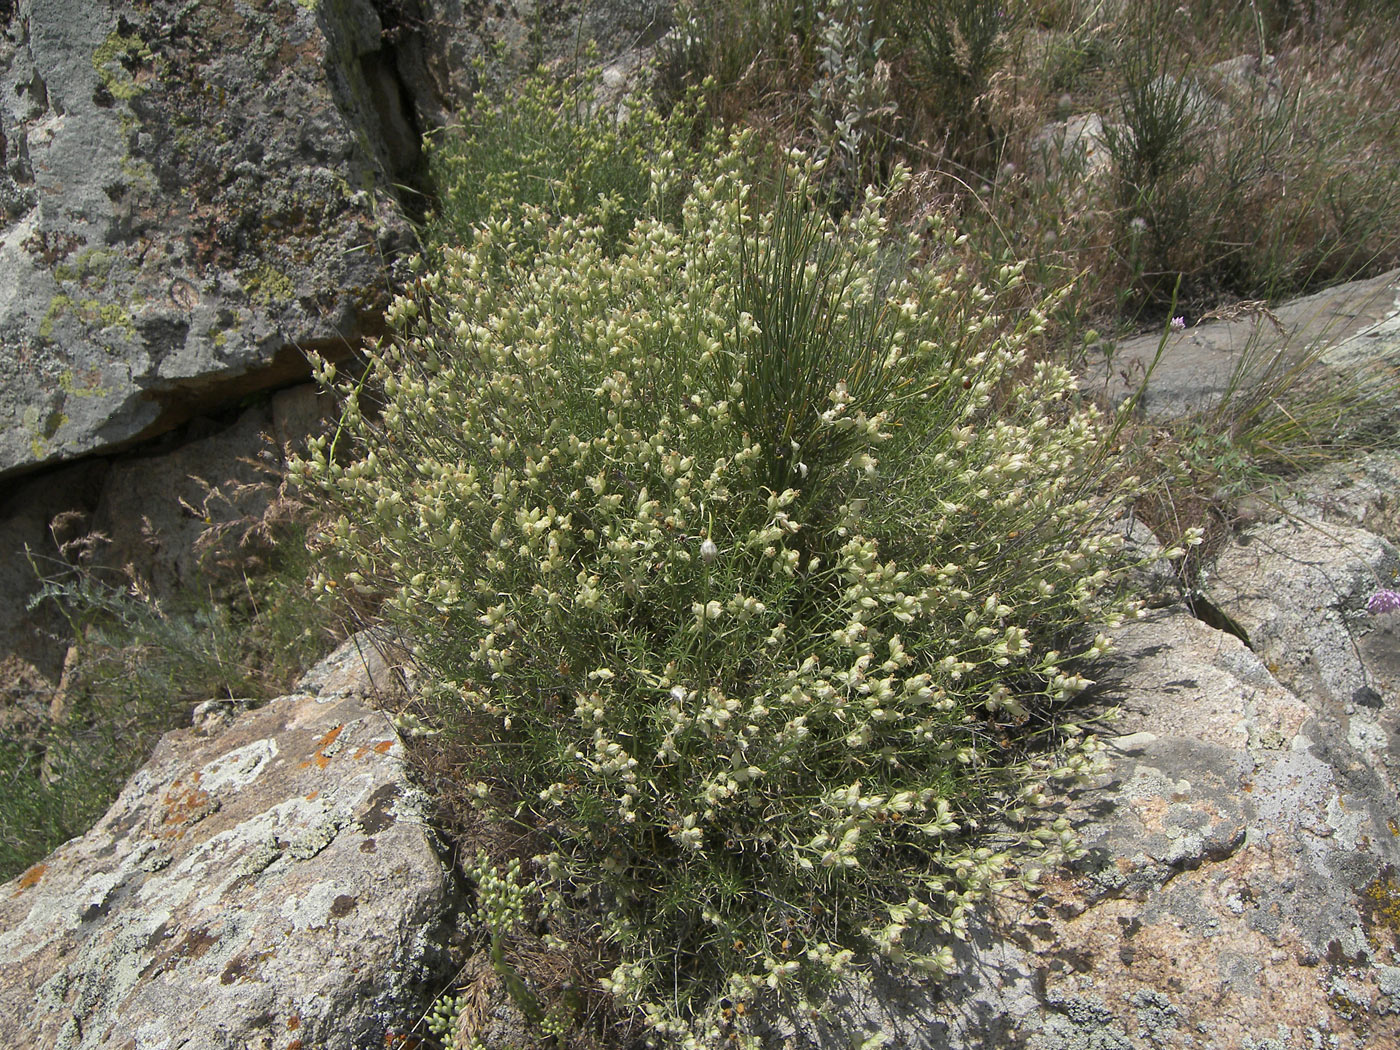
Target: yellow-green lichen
{"points": [[121, 62], [1386, 893], [57, 306], [1351, 1010], [1380, 903], [92, 312], [89, 385], [42, 426], [140, 173], [92, 266], [104, 315], [268, 285]]}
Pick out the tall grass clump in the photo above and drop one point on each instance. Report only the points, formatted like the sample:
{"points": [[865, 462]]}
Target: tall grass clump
{"points": [[133, 672], [748, 54], [757, 562], [956, 48], [1234, 152], [557, 145], [1153, 150], [1253, 177]]}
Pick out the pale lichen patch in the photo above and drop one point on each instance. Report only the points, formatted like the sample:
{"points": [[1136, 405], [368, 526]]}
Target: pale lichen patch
{"points": [[239, 767], [261, 857], [312, 910], [317, 838]]}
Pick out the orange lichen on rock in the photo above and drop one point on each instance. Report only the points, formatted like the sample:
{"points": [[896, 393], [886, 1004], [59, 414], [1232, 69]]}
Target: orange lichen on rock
{"points": [[183, 808], [31, 878], [323, 748], [382, 747]]}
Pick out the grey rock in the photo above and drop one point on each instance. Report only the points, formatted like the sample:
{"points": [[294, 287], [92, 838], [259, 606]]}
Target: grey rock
{"points": [[372, 665], [1077, 146], [1361, 492], [1299, 588], [1229, 870], [197, 194], [192, 195], [255, 887], [1352, 330]]}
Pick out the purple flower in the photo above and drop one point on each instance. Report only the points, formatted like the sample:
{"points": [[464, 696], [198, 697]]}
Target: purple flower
{"points": [[1178, 323], [1383, 602]]}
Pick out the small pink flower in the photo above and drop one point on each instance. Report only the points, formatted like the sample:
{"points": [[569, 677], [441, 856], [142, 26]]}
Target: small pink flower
{"points": [[1178, 324], [1383, 602]]}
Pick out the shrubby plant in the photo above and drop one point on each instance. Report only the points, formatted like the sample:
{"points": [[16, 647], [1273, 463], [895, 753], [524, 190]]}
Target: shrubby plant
{"points": [[850, 95], [557, 146], [758, 559]]}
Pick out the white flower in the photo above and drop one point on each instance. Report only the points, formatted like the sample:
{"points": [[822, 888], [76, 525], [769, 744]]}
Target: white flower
{"points": [[708, 551]]}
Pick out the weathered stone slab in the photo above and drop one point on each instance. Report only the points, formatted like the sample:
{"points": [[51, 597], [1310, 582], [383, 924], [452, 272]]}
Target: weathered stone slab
{"points": [[1078, 143], [1359, 323], [1235, 861], [272, 885], [190, 194], [1361, 492], [1234, 894], [1299, 587]]}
